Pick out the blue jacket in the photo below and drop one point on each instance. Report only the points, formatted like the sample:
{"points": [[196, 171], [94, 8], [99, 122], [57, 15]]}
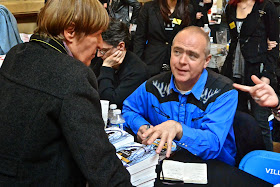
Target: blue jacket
{"points": [[206, 112], [9, 35]]}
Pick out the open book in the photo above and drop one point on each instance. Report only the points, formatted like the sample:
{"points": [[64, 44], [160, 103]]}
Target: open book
{"points": [[188, 172]]}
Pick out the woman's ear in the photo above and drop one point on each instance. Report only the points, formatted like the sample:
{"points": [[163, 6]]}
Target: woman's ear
{"points": [[121, 46], [69, 33]]}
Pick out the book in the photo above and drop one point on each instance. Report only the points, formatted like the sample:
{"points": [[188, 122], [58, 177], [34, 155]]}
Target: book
{"points": [[162, 154], [139, 175], [118, 137], [136, 157], [188, 172], [144, 179], [149, 183]]}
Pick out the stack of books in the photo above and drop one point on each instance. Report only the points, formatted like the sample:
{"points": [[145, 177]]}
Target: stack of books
{"points": [[140, 160]]}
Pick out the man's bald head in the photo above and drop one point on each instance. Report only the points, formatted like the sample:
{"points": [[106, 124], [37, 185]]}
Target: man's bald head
{"points": [[191, 31]]}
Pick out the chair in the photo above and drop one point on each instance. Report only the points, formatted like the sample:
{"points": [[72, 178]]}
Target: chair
{"points": [[262, 164], [248, 136]]}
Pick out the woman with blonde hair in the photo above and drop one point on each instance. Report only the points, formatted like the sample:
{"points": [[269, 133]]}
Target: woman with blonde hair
{"points": [[51, 129]]}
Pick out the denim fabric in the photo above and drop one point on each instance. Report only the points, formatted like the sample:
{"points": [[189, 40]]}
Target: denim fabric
{"points": [[9, 35]]}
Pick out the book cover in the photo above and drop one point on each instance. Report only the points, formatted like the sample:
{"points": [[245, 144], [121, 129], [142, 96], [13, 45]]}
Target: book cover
{"points": [[118, 137], [136, 157], [162, 154]]}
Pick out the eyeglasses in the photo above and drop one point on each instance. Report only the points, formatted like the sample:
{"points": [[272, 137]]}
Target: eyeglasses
{"points": [[104, 51]]}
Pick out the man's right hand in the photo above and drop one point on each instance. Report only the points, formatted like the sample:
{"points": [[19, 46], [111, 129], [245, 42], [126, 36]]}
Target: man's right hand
{"points": [[114, 60]]}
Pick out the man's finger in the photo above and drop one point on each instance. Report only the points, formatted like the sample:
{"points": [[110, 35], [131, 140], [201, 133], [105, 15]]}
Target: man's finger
{"points": [[241, 87], [169, 147], [256, 80], [161, 143]]}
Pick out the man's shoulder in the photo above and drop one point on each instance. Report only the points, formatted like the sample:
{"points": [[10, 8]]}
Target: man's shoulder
{"points": [[218, 80], [159, 86], [134, 64]]}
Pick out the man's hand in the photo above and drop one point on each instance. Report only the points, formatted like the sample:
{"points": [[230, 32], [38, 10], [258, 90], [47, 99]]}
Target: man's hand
{"points": [[114, 60], [262, 93], [141, 131], [166, 131]]}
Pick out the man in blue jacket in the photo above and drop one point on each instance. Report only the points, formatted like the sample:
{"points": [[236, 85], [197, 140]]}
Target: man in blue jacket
{"points": [[191, 105]]}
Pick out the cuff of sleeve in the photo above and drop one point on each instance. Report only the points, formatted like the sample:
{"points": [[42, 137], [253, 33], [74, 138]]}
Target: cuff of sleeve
{"points": [[267, 75], [140, 122], [187, 138], [106, 72]]}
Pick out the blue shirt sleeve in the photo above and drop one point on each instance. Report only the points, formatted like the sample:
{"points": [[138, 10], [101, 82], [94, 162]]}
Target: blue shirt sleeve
{"points": [[135, 109], [207, 142]]}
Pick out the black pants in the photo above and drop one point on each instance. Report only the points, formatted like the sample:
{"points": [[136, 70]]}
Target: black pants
{"points": [[259, 113]]}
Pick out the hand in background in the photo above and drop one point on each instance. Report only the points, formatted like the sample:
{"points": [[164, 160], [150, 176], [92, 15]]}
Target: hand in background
{"points": [[166, 131], [271, 44], [199, 15], [207, 1], [262, 93], [114, 60]]}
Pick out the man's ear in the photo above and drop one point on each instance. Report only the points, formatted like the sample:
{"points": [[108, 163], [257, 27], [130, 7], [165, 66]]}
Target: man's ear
{"points": [[69, 33], [208, 58], [121, 46]]}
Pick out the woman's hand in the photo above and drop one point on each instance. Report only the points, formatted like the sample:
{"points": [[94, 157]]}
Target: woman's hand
{"points": [[271, 44]]}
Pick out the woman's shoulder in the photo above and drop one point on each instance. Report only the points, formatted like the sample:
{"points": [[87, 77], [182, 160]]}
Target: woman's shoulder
{"points": [[151, 4]]}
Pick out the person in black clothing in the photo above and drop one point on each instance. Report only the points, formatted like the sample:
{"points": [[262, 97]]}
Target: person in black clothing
{"points": [[119, 71], [119, 10], [252, 25], [158, 23], [51, 126], [201, 8]]}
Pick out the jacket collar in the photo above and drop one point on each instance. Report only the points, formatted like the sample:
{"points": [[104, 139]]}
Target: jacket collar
{"points": [[197, 88], [50, 42]]}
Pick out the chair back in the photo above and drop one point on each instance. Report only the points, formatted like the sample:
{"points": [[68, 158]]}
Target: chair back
{"points": [[262, 164], [248, 135]]}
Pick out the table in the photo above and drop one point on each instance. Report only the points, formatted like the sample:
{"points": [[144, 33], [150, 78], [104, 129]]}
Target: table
{"points": [[219, 173]]}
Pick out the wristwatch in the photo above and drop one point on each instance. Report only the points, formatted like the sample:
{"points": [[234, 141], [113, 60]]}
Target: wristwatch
{"points": [[276, 110]]}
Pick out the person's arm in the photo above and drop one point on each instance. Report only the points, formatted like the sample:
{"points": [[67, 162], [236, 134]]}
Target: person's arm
{"points": [[135, 109], [129, 79], [141, 33], [136, 9], [83, 128], [271, 21], [262, 93], [207, 141]]}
